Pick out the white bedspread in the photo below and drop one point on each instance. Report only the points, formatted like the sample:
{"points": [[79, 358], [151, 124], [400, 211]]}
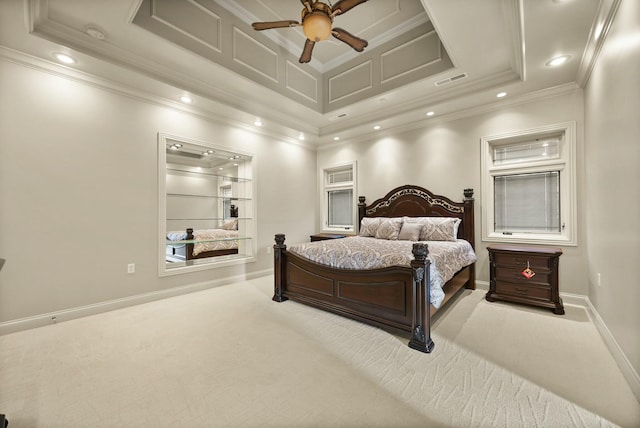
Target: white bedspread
{"points": [[447, 257], [208, 239]]}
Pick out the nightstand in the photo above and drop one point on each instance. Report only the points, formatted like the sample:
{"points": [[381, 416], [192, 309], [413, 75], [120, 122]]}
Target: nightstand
{"points": [[325, 236], [525, 274]]}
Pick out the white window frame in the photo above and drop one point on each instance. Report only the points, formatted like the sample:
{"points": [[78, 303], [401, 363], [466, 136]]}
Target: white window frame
{"points": [[324, 192], [565, 163]]}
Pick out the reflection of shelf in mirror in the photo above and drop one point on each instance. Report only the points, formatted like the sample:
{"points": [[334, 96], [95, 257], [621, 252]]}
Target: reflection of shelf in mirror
{"points": [[200, 241], [226, 177], [211, 219], [226, 198]]}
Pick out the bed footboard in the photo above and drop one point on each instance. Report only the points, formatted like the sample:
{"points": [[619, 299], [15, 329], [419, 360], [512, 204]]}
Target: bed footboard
{"points": [[396, 297]]}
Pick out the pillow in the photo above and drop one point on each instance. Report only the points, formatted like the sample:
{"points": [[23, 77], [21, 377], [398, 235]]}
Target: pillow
{"points": [[369, 226], [230, 225], [410, 232], [389, 228], [436, 228]]}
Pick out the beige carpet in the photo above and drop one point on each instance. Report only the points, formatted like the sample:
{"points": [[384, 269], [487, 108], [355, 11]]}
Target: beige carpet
{"points": [[230, 356]]}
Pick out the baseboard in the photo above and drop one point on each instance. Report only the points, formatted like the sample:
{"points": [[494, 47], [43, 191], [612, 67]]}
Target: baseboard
{"points": [[629, 373], [83, 311]]}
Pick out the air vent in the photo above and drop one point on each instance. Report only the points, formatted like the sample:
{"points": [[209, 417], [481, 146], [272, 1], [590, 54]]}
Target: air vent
{"points": [[451, 79], [339, 116]]}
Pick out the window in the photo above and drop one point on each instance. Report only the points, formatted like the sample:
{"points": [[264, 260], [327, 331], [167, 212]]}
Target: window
{"points": [[338, 198], [528, 186]]}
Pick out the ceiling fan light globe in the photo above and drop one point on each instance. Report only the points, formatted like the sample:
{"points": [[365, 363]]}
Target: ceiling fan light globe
{"points": [[316, 26]]}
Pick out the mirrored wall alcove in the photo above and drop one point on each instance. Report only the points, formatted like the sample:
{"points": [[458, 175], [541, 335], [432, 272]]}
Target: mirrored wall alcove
{"points": [[206, 207]]}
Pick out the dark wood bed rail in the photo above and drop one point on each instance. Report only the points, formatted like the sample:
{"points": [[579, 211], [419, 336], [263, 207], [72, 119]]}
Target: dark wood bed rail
{"points": [[420, 317]]}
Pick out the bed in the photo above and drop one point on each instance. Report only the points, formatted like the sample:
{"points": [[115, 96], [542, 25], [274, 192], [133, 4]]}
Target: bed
{"points": [[203, 243], [397, 296]]}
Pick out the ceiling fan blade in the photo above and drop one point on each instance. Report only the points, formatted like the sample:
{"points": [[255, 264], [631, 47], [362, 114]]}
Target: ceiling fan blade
{"points": [[306, 52], [274, 24], [343, 6], [355, 42]]}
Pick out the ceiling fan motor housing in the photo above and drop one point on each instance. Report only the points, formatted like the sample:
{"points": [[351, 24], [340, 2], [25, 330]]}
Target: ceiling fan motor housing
{"points": [[316, 24]]}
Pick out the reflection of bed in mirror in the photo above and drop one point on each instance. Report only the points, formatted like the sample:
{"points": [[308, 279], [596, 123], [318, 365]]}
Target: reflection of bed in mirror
{"points": [[195, 244]]}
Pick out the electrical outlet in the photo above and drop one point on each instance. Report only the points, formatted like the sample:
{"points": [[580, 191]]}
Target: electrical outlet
{"points": [[131, 268], [269, 250]]}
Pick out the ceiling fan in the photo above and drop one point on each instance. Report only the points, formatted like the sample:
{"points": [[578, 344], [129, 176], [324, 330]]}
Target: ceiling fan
{"points": [[317, 20]]}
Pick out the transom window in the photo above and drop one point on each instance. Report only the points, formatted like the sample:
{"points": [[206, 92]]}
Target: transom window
{"points": [[528, 186]]}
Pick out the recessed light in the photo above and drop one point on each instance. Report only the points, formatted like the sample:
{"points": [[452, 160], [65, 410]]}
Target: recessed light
{"points": [[186, 99], [558, 61], [64, 58], [430, 113], [258, 122], [376, 127], [501, 94], [336, 138], [301, 137]]}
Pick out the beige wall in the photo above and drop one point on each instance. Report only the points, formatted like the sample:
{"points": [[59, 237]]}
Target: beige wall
{"points": [[78, 189], [444, 157], [612, 184]]}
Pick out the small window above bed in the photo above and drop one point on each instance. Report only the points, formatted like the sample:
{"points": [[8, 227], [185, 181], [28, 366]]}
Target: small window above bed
{"points": [[339, 198]]}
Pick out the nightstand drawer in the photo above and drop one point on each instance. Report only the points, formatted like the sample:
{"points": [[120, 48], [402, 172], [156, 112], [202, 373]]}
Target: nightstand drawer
{"points": [[527, 291], [515, 275], [521, 260]]}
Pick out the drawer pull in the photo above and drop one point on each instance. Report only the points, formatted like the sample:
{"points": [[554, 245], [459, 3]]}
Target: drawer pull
{"points": [[522, 291]]}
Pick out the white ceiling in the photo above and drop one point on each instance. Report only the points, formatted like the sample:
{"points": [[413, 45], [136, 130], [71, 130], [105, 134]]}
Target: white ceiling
{"points": [[502, 45]]}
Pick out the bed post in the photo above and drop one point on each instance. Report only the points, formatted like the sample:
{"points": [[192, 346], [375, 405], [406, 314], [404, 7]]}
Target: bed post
{"points": [[469, 232], [278, 267], [362, 209], [188, 252], [421, 324]]}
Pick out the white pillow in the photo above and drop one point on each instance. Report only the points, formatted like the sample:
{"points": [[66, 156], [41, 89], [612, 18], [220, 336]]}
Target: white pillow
{"points": [[389, 228], [230, 225], [410, 232], [436, 228], [369, 226]]}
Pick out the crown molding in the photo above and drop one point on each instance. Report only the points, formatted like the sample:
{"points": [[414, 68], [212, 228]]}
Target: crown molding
{"points": [[527, 98], [599, 30], [218, 114]]}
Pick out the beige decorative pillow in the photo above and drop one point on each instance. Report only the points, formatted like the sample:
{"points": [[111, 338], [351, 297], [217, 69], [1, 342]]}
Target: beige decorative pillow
{"points": [[389, 228], [369, 226], [230, 225], [410, 232], [436, 228]]}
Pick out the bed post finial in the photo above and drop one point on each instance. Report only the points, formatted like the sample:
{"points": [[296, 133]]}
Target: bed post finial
{"points": [[278, 260], [468, 193], [421, 324]]}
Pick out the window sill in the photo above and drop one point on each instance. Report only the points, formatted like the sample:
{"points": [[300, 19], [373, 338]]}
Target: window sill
{"points": [[525, 238]]}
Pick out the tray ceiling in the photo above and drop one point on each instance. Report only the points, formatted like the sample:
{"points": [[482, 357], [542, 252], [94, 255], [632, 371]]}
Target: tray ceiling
{"points": [[483, 47]]}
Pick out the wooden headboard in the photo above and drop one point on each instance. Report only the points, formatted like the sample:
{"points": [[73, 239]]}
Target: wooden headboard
{"points": [[416, 201]]}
